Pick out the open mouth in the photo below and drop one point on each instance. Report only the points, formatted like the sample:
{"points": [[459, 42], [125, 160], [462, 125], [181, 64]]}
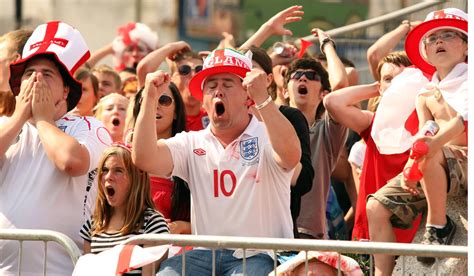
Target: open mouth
{"points": [[109, 191], [116, 122], [220, 109], [440, 50], [303, 90], [158, 116]]}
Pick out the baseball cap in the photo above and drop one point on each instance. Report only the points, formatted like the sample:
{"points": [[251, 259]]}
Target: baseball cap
{"points": [[64, 45], [449, 18], [224, 60]]}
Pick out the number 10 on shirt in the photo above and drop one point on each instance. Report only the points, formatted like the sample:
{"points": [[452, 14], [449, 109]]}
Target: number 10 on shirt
{"points": [[220, 182]]}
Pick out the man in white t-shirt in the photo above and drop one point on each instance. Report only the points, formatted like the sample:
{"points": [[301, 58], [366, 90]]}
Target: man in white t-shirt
{"points": [[47, 159], [238, 169]]}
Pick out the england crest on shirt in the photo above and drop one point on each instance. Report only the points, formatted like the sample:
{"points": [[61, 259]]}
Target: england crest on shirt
{"points": [[249, 149]]}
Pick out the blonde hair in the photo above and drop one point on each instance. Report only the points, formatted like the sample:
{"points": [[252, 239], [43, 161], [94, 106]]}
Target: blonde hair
{"points": [[138, 200], [99, 108]]}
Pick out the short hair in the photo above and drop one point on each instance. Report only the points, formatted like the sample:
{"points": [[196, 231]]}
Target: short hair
{"points": [[398, 58], [183, 56], [309, 64], [17, 39], [139, 197], [82, 74], [107, 70]]}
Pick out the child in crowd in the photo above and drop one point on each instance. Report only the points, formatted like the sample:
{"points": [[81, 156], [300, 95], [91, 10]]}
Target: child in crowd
{"points": [[112, 111], [123, 207]]}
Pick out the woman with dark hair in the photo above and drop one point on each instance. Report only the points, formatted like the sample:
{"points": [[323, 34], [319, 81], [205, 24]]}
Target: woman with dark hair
{"points": [[170, 195]]}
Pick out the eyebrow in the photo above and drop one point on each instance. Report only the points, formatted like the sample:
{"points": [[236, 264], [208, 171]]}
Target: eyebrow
{"points": [[217, 79]]}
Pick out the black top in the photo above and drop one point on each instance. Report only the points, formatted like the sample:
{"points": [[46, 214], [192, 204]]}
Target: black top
{"points": [[305, 179]]}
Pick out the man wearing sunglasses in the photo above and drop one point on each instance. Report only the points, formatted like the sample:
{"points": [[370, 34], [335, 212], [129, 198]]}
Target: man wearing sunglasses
{"points": [[232, 167], [184, 64], [307, 82]]}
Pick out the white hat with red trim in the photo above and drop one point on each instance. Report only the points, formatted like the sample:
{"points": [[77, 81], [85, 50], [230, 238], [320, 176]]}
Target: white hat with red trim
{"points": [[129, 34], [220, 61], [65, 45], [449, 18]]}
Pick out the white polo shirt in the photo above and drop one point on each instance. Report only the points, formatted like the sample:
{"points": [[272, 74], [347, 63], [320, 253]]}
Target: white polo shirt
{"points": [[235, 191], [34, 194]]}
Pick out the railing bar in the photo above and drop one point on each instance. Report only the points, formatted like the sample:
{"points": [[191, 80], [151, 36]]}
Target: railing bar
{"points": [[244, 265], [371, 261], [403, 265], [213, 262], [339, 264], [275, 262], [45, 257], [183, 266], [20, 257], [306, 263]]}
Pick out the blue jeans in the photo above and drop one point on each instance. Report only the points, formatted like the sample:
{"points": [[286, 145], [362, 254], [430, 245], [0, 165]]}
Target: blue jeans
{"points": [[199, 262]]}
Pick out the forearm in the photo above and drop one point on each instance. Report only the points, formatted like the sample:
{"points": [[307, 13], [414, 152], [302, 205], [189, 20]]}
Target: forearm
{"points": [[70, 157], [341, 106], [9, 130], [282, 136], [449, 131], [336, 70], [384, 46], [151, 62], [144, 135], [100, 54]]}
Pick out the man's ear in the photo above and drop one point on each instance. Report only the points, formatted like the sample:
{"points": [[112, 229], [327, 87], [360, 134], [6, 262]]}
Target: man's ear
{"points": [[269, 79], [66, 92], [16, 56]]}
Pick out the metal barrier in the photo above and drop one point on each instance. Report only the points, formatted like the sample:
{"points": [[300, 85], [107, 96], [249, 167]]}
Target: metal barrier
{"points": [[41, 235], [221, 242]]}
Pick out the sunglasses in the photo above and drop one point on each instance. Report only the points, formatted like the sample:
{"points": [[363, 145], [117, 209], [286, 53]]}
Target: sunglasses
{"points": [[445, 36], [165, 100], [310, 75], [186, 69]]}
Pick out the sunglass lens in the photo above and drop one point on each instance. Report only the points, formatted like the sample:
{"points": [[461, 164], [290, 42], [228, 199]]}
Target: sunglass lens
{"points": [[184, 69], [198, 69], [165, 100]]}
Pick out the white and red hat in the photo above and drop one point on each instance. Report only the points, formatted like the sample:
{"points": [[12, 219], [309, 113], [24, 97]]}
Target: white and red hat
{"points": [[450, 18], [220, 61], [132, 33], [65, 45]]}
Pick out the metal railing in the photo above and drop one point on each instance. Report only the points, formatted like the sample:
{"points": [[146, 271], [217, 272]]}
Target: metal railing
{"points": [[221, 242], [45, 236]]}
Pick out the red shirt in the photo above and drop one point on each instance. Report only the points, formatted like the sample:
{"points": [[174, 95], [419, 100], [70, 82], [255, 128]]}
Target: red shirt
{"points": [[197, 122], [161, 190], [377, 170]]}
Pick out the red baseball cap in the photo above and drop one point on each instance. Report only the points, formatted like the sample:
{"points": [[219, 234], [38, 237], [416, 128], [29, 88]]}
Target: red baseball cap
{"points": [[450, 18], [65, 45], [220, 61]]}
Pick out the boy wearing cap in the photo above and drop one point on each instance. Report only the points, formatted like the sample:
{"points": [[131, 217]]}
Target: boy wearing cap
{"points": [[48, 159], [238, 169], [439, 46]]}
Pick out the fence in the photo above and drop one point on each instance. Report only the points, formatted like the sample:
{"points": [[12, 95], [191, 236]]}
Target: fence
{"points": [[220, 242], [44, 236]]}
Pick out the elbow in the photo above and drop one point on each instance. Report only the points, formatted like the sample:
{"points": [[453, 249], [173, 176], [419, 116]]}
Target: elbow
{"points": [[74, 167], [331, 102]]}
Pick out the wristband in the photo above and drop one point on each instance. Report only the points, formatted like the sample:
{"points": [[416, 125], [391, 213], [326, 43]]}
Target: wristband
{"points": [[325, 41], [265, 103]]}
